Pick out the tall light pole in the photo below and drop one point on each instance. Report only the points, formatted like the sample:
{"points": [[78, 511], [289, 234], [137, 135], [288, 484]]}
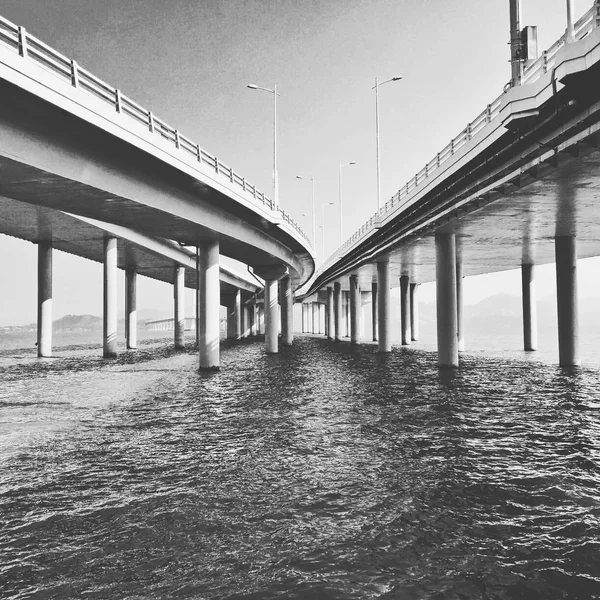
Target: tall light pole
{"points": [[312, 180], [376, 88], [275, 94], [342, 165], [323, 229]]}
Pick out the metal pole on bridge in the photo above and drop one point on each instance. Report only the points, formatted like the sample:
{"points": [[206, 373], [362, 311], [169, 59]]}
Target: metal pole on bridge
{"points": [[516, 52]]}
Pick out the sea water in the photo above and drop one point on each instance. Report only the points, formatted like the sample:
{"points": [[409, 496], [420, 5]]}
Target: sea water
{"points": [[326, 471]]}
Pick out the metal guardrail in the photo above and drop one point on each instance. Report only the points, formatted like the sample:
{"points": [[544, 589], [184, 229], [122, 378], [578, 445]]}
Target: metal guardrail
{"points": [[544, 63], [27, 46]]}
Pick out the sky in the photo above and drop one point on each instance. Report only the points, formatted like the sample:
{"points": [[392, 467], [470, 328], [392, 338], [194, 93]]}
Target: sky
{"points": [[190, 61]]}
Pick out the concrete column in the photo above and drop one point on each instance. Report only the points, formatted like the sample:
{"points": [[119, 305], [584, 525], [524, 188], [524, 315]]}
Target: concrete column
{"points": [[375, 309], [445, 255], [271, 316], [330, 315], [405, 309], [566, 295], [109, 324], [354, 310], [315, 317], [245, 321], [414, 311], [460, 331], [530, 341], [131, 308], [197, 298], [382, 291], [287, 311], [337, 311], [261, 320], [209, 358], [346, 300], [179, 307], [44, 297], [254, 320], [236, 317]]}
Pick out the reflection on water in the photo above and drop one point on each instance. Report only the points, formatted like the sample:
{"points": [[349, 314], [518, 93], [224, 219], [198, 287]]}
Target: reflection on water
{"points": [[324, 472]]}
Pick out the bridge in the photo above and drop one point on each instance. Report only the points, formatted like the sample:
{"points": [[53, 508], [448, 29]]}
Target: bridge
{"points": [[75, 147], [519, 186]]}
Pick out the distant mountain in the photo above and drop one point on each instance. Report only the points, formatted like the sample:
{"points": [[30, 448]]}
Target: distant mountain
{"points": [[77, 323]]}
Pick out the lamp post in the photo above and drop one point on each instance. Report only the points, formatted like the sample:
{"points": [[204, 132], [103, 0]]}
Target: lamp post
{"points": [[275, 94], [323, 229], [342, 165], [312, 180], [376, 88]]}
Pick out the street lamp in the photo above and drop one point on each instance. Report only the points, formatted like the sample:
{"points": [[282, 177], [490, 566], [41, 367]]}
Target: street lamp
{"points": [[275, 94], [376, 88], [323, 229], [312, 180], [342, 165]]}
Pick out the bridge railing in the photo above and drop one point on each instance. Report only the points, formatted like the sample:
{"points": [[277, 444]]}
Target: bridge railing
{"points": [[583, 27], [27, 46]]}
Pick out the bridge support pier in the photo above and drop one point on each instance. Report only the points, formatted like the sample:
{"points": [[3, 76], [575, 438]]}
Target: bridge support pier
{"points": [[445, 252], [375, 309], [209, 309], [566, 295], [460, 332], [234, 317], [44, 300], [330, 315], [355, 310], [315, 318], [178, 307], [337, 311], [405, 309], [414, 312], [530, 341], [346, 311], [109, 322], [382, 294], [271, 315], [287, 311], [131, 309]]}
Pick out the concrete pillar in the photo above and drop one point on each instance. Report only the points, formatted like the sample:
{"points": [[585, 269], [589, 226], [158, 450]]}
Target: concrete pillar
{"points": [[530, 341], [460, 331], [109, 324], [179, 307], [287, 311], [445, 254], [405, 309], [197, 298], [375, 309], [44, 300], [254, 320], [131, 308], [315, 317], [566, 295], [271, 316], [383, 306], [346, 310], [234, 323], [337, 311], [330, 315], [354, 310], [209, 309], [414, 311]]}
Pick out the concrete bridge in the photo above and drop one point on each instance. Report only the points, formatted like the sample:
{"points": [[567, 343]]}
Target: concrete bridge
{"points": [[519, 186], [74, 144]]}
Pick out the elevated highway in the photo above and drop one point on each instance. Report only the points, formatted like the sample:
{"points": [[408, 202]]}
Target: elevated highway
{"points": [[71, 142], [519, 186]]}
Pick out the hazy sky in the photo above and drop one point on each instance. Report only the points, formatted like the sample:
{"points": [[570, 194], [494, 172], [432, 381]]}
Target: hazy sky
{"points": [[189, 61]]}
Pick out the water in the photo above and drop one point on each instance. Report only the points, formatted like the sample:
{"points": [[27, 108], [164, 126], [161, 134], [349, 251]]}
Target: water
{"points": [[324, 472]]}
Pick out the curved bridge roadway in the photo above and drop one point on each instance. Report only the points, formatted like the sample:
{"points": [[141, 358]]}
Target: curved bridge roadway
{"points": [[73, 143], [518, 186]]}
